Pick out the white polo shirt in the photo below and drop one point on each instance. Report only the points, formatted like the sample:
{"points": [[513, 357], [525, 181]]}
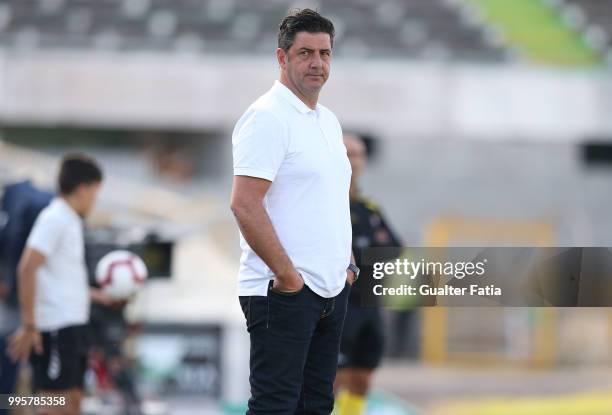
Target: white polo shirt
{"points": [[300, 150], [62, 289]]}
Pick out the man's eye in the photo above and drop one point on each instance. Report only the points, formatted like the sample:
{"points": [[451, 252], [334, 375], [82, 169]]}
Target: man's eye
{"points": [[304, 53]]}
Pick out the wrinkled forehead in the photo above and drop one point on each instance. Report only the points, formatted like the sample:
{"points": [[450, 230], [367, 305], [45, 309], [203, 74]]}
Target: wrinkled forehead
{"points": [[313, 41]]}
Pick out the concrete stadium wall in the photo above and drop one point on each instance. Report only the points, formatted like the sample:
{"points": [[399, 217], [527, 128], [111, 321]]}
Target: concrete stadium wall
{"points": [[531, 183], [397, 99]]}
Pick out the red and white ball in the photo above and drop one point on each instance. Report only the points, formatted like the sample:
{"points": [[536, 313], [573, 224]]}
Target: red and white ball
{"points": [[120, 274]]}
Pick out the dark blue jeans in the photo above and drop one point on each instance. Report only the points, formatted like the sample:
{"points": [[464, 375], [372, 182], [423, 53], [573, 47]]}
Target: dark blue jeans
{"points": [[295, 341]]}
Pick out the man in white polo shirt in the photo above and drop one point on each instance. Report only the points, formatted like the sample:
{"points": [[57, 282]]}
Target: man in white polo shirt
{"points": [[291, 201], [54, 291]]}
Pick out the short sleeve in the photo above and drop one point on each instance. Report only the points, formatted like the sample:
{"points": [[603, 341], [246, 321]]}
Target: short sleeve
{"points": [[259, 145], [45, 234]]}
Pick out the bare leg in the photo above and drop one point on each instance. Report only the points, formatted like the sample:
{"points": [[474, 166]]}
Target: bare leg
{"points": [[343, 376], [360, 381]]}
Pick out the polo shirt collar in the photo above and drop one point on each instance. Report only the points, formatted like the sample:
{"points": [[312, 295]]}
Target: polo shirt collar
{"points": [[61, 202], [289, 96]]}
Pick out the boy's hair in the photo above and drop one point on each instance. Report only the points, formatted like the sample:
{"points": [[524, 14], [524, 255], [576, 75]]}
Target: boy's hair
{"points": [[78, 169], [303, 20]]}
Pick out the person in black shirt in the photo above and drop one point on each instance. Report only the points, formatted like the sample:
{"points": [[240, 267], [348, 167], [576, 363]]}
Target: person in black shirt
{"points": [[362, 344]]}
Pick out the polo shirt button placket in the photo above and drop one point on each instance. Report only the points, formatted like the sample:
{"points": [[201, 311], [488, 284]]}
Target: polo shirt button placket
{"points": [[317, 121]]}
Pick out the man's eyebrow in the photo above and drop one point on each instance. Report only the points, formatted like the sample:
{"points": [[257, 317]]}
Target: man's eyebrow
{"points": [[312, 50]]}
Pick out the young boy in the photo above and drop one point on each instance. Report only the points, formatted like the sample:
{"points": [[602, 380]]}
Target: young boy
{"points": [[54, 293]]}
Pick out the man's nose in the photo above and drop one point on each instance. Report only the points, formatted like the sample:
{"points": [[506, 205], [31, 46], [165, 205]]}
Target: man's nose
{"points": [[316, 61]]}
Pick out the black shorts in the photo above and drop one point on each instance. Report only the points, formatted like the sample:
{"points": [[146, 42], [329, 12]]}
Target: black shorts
{"points": [[362, 343], [63, 363]]}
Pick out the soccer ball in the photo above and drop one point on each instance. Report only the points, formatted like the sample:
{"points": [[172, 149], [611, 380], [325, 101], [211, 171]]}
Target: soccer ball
{"points": [[120, 274]]}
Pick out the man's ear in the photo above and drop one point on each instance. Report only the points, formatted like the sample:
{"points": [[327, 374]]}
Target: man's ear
{"points": [[281, 57]]}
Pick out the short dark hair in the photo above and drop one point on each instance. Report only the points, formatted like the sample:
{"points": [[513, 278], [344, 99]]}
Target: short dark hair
{"points": [[77, 169], [303, 20]]}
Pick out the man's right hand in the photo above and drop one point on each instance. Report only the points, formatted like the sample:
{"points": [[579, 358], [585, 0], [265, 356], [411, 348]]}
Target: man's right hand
{"points": [[288, 284]]}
